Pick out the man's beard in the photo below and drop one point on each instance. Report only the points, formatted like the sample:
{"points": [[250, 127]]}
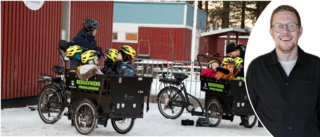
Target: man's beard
{"points": [[286, 48]]}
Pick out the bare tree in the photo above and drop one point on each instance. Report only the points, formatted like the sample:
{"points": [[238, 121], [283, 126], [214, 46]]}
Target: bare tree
{"points": [[206, 5], [243, 13], [235, 12], [225, 14], [261, 5], [200, 5]]}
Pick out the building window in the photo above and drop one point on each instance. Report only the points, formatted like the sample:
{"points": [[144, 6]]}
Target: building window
{"points": [[114, 36], [131, 36], [125, 37]]}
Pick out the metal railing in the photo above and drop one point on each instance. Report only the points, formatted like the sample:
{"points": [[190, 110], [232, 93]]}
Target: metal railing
{"points": [[156, 68]]}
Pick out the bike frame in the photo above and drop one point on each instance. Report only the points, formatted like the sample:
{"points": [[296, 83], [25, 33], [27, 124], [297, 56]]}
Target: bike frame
{"points": [[187, 103], [61, 85]]}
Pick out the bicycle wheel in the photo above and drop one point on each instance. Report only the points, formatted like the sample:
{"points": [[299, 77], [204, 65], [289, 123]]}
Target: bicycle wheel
{"points": [[214, 112], [249, 120], [167, 104], [49, 112], [85, 117], [122, 125]]}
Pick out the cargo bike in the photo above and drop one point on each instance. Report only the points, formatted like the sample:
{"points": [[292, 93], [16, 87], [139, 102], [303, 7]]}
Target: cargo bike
{"points": [[93, 101], [224, 99]]}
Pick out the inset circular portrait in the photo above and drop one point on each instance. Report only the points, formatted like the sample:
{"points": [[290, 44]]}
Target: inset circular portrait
{"points": [[282, 68]]}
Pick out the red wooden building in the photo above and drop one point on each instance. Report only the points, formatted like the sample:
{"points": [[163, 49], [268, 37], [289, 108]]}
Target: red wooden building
{"points": [[29, 39], [163, 27], [215, 41], [161, 43]]}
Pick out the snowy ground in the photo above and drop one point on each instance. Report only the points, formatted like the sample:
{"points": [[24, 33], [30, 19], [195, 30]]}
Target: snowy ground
{"points": [[24, 122]]}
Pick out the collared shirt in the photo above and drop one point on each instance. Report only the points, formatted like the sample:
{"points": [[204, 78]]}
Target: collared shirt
{"points": [[288, 65], [288, 106]]}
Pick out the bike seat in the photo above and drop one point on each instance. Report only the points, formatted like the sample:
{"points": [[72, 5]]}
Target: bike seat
{"points": [[171, 81], [58, 69], [180, 76]]}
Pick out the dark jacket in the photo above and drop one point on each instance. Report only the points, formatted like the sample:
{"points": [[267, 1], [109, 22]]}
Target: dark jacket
{"points": [[74, 63], [125, 69], [85, 40], [288, 106], [107, 69], [242, 55], [242, 51]]}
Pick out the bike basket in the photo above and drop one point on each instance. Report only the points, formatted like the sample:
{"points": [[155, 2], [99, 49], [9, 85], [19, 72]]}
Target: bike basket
{"points": [[210, 84], [92, 85], [128, 94]]}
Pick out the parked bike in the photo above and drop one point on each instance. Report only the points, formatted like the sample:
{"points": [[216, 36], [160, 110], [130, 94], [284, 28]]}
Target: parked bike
{"points": [[93, 101], [223, 100]]}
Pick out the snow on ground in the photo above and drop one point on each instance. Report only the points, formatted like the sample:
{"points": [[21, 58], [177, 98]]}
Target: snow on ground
{"points": [[24, 122]]}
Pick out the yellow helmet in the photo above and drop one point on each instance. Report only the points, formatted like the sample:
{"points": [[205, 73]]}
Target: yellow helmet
{"points": [[213, 61], [129, 51], [88, 55], [72, 50], [238, 61], [228, 60], [112, 54]]}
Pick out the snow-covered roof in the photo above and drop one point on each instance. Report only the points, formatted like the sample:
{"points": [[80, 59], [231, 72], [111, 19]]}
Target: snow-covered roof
{"points": [[214, 32], [233, 36]]}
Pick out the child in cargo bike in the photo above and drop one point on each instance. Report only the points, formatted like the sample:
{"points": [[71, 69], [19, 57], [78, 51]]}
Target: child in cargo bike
{"points": [[226, 72], [74, 53], [91, 66], [124, 65], [239, 68], [211, 71], [111, 58]]}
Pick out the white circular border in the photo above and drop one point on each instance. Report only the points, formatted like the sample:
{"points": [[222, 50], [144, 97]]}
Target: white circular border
{"points": [[261, 42], [33, 4]]}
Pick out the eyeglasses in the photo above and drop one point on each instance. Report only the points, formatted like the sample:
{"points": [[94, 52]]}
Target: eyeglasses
{"points": [[279, 27]]}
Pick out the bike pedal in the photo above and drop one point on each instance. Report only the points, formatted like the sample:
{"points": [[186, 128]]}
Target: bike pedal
{"points": [[197, 113], [63, 112], [102, 122]]}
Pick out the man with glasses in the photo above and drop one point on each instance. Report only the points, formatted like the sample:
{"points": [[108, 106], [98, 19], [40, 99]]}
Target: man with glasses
{"points": [[283, 85]]}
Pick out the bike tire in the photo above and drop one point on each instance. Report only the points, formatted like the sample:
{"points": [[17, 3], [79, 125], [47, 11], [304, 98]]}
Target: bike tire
{"points": [[214, 112], [165, 104], [47, 111], [248, 122], [122, 125], [85, 117]]}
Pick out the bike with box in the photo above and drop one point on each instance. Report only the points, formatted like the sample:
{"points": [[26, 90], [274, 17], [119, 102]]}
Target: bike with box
{"points": [[93, 101], [224, 99]]}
